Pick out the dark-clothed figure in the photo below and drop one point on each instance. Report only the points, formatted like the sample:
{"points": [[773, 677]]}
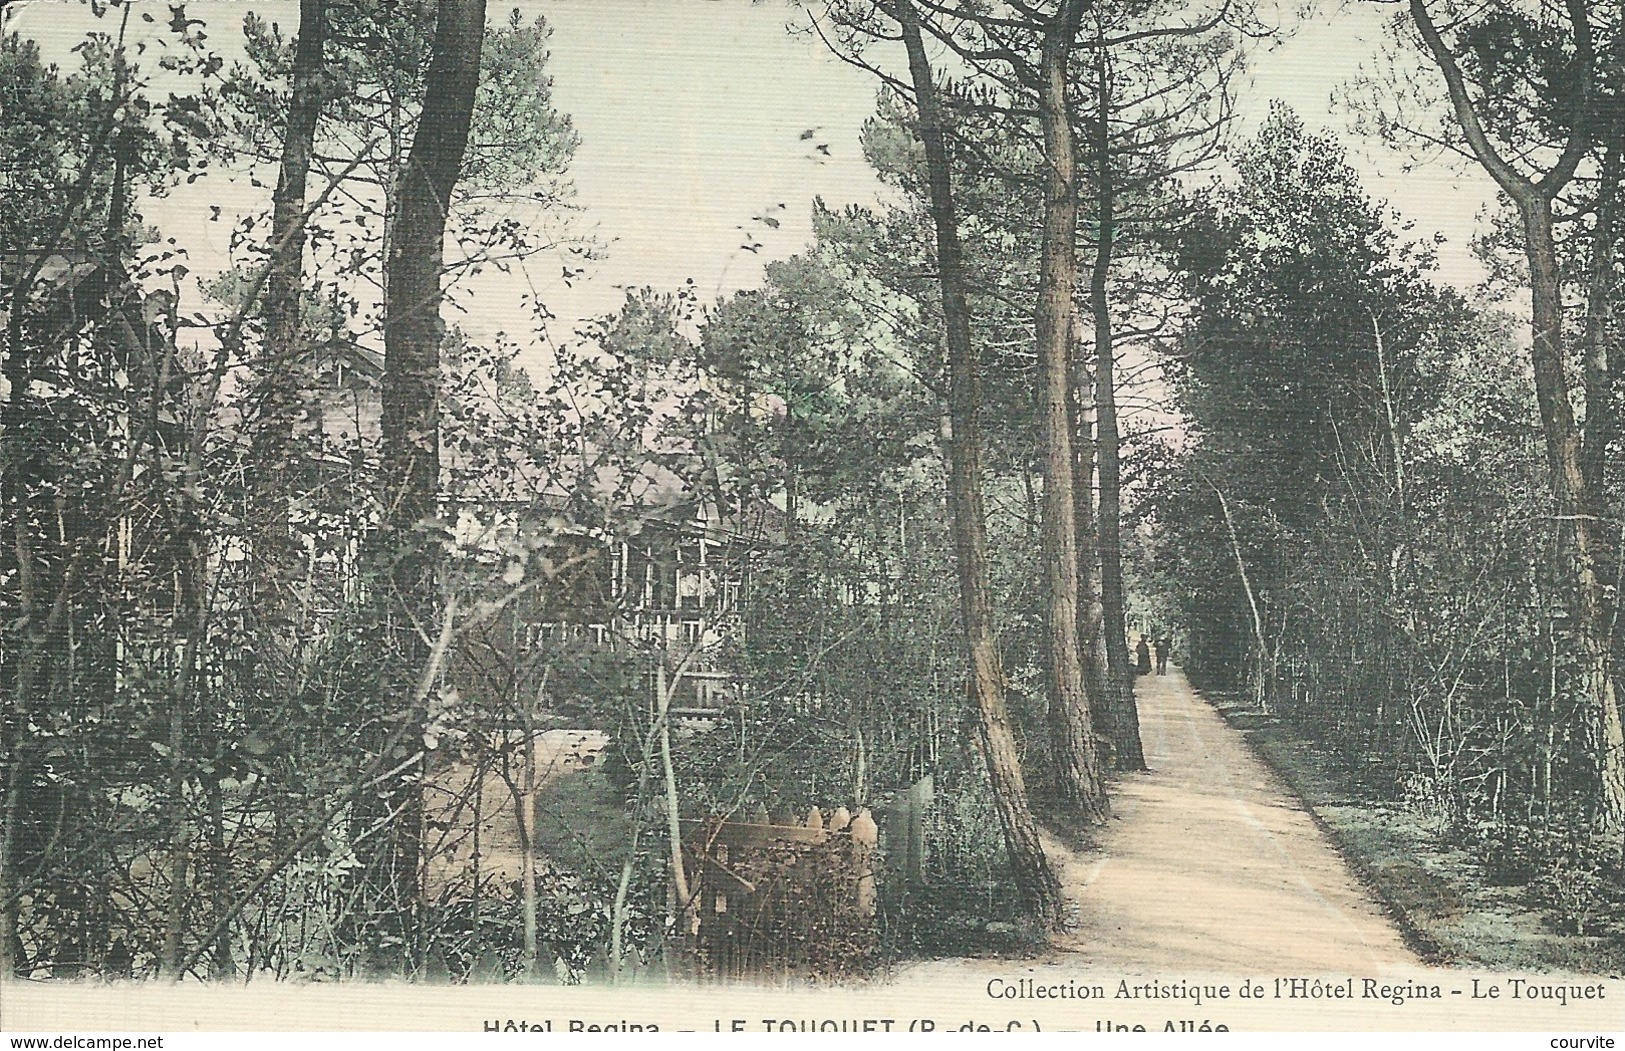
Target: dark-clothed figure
{"points": [[1164, 646], [1142, 656]]}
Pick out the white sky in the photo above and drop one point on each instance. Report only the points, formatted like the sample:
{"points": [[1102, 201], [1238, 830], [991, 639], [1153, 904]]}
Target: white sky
{"points": [[690, 113]]}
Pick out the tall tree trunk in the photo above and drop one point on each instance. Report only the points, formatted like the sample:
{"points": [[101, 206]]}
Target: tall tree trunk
{"points": [[220, 861], [1091, 613], [1599, 418], [1601, 323], [1600, 317], [1035, 882], [410, 460], [11, 954], [39, 625], [283, 376], [1075, 755], [1264, 683], [1579, 504], [683, 899], [1123, 718], [191, 631]]}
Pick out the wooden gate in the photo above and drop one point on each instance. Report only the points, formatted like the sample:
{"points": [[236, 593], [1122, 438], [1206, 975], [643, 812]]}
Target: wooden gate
{"points": [[784, 899]]}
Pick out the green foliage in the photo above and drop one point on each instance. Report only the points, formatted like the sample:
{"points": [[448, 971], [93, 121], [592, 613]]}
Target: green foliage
{"points": [[1384, 509], [1295, 271], [965, 906], [182, 798], [1525, 68]]}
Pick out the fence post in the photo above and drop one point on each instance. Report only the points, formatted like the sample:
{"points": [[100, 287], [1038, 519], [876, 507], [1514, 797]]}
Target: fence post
{"points": [[920, 795], [865, 836]]}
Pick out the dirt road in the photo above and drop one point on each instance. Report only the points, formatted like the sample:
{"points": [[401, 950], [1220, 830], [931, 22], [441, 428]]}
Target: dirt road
{"points": [[1209, 864]]}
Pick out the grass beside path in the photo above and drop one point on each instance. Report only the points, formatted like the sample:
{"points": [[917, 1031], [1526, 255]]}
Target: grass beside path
{"points": [[1436, 891]]}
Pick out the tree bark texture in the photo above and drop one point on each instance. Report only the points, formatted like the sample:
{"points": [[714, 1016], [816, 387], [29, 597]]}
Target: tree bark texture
{"points": [[283, 375], [1579, 503], [1599, 381], [1123, 718], [1035, 882], [1264, 683], [1091, 613], [410, 458], [1077, 782]]}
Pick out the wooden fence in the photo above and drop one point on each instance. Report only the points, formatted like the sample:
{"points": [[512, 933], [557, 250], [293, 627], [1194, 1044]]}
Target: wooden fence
{"points": [[782, 899]]}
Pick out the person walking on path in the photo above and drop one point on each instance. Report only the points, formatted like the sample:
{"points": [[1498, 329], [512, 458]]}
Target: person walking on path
{"points": [[1164, 646], [1142, 656]]}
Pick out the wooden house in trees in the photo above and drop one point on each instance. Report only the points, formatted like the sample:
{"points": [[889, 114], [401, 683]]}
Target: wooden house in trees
{"points": [[94, 407], [656, 569], [669, 590]]}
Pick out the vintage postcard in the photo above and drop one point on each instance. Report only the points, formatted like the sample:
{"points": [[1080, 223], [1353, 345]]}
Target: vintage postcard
{"points": [[822, 516]]}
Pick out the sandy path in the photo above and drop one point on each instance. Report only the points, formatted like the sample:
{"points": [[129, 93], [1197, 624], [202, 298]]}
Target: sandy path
{"points": [[1209, 864]]}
